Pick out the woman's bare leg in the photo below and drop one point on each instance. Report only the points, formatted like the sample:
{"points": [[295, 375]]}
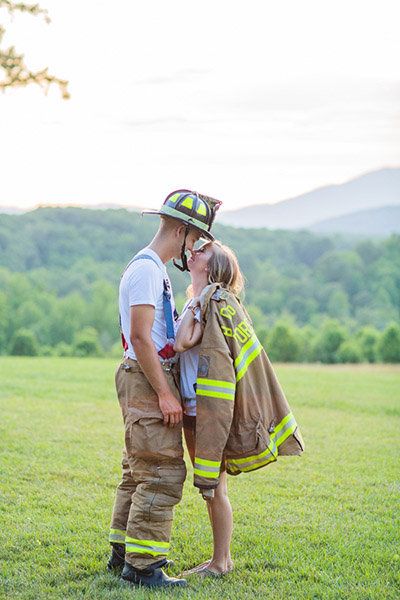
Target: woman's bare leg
{"points": [[220, 515]]}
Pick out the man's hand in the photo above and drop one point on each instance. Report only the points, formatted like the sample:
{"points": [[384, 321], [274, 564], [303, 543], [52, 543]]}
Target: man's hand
{"points": [[142, 319], [171, 409]]}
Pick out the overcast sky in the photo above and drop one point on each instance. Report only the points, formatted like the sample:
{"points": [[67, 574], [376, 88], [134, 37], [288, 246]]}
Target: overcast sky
{"points": [[250, 102]]}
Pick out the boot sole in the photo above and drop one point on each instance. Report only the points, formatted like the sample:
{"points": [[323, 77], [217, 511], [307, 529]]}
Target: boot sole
{"points": [[147, 585]]}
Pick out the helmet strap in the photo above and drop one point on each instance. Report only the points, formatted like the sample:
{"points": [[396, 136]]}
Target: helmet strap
{"points": [[184, 265]]}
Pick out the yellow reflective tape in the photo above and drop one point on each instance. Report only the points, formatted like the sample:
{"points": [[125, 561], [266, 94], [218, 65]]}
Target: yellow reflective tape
{"points": [[283, 423], [207, 474], [243, 351], [118, 532], [173, 212], [142, 550], [247, 459], [248, 362], [273, 445], [232, 467], [286, 434], [117, 536], [147, 542], [174, 198], [207, 463], [201, 209], [216, 383], [257, 465], [188, 202], [212, 394], [248, 345]]}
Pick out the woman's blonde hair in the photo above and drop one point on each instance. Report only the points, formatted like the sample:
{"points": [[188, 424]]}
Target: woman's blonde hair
{"points": [[224, 268]]}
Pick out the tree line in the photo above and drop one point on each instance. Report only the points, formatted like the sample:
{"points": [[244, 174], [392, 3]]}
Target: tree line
{"points": [[311, 298]]}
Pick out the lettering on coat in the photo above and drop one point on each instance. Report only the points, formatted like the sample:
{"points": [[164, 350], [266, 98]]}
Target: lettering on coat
{"points": [[241, 333], [228, 312]]}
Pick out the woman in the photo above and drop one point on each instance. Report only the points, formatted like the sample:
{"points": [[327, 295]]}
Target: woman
{"points": [[236, 417], [212, 263]]}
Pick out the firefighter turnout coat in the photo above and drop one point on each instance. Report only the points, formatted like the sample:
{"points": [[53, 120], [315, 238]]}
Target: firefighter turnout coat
{"points": [[243, 418]]}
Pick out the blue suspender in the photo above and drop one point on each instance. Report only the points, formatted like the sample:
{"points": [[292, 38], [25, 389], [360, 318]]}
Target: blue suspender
{"points": [[167, 306], [168, 312]]}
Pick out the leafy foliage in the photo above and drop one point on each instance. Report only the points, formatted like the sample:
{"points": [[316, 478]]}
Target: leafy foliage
{"points": [[307, 295], [349, 352], [283, 344], [368, 340], [328, 342], [24, 343], [390, 344], [12, 63]]}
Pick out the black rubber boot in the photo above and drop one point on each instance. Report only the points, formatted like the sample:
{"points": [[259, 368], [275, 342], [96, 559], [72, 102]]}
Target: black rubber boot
{"points": [[117, 558], [152, 576], [116, 561]]}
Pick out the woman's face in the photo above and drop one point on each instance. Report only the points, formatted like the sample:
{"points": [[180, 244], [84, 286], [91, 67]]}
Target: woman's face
{"points": [[198, 262]]}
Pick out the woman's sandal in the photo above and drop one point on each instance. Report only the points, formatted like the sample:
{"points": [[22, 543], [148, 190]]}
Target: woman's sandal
{"points": [[196, 569], [204, 571]]}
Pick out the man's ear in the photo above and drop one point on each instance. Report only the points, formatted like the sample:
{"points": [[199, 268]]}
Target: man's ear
{"points": [[180, 229]]}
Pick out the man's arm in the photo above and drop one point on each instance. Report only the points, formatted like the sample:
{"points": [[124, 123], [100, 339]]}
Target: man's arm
{"points": [[142, 319]]}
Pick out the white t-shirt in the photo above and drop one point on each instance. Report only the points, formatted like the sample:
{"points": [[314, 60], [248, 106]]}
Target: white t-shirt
{"points": [[189, 362], [143, 283]]}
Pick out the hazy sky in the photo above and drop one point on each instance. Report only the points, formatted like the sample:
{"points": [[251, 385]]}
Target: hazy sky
{"points": [[248, 101]]}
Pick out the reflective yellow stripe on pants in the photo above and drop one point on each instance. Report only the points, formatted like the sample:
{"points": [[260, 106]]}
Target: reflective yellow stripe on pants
{"points": [[152, 547], [117, 536]]}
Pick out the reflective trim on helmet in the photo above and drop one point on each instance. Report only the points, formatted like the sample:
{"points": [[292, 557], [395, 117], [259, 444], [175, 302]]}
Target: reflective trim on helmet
{"points": [[187, 202], [174, 197], [201, 208], [173, 212]]}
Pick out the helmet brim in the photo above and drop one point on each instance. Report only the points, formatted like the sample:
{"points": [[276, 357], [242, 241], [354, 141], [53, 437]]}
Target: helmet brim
{"points": [[150, 212], [205, 234]]}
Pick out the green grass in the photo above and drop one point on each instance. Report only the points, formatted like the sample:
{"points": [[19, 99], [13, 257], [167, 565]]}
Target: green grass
{"points": [[325, 525]]}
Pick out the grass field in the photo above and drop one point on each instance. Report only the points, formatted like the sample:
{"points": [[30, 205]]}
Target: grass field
{"points": [[325, 525]]}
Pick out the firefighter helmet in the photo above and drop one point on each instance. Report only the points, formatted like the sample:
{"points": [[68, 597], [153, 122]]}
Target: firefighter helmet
{"points": [[196, 210]]}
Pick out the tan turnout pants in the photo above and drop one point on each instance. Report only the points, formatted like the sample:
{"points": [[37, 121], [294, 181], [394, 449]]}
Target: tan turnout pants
{"points": [[153, 470]]}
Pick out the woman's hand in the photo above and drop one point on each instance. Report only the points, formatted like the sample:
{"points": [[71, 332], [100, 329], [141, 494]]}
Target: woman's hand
{"points": [[195, 301], [190, 331]]}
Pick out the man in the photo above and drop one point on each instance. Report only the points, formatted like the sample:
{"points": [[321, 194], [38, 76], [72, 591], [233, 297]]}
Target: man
{"points": [[153, 466]]}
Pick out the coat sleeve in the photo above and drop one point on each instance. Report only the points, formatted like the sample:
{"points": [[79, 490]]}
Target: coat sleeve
{"points": [[215, 394]]}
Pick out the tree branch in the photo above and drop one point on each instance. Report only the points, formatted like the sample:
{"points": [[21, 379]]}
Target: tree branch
{"points": [[33, 9], [16, 72]]}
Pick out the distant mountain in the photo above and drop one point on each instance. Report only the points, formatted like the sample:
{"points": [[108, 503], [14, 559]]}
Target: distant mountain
{"points": [[10, 210], [112, 206], [372, 190], [373, 222]]}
